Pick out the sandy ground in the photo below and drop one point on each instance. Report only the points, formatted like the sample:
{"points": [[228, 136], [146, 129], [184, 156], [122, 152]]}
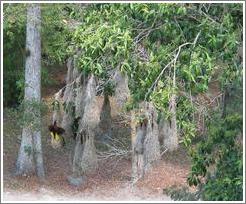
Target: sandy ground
{"points": [[124, 192]]}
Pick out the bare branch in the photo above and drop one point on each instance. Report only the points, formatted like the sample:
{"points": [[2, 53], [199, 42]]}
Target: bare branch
{"points": [[117, 149], [145, 33]]}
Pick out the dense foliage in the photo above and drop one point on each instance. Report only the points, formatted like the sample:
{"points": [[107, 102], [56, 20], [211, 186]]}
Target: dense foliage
{"points": [[164, 49], [217, 161], [13, 63], [142, 39]]}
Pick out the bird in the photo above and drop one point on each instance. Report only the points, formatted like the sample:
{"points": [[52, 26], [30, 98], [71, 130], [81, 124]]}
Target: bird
{"points": [[56, 135]]}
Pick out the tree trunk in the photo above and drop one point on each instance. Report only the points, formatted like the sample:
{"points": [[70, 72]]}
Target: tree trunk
{"points": [[72, 97], [24, 164], [85, 158], [171, 141], [67, 120], [122, 91], [104, 129], [168, 135], [31, 147], [145, 141], [57, 109]]}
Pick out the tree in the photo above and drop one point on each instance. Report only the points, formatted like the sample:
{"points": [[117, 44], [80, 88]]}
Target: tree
{"points": [[31, 148], [145, 143], [54, 38]]}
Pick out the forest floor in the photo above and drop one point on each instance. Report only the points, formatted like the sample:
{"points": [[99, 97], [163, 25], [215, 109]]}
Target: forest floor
{"points": [[110, 183]]}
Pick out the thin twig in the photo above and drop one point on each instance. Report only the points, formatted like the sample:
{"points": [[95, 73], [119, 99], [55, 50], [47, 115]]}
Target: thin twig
{"points": [[145, 33], [67, 85], [164, 152]]}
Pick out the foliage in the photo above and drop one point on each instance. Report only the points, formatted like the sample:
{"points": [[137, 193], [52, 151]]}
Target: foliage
{"points": [[181, 193], [27, 114], [109, 88], [221, 150], [55, 33], [13, 63], [46, 80], [142, 39], [186, 121], [155, 45], [28, 150]]}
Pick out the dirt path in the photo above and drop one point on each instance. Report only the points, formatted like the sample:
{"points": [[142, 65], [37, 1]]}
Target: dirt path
{"points": [[110, 183]]}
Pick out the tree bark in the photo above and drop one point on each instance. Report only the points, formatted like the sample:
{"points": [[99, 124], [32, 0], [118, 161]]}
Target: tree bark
{"points": [[104, 128], [145, 141], [85, 158], [122, 91], [31, 147], [72, 97], [171, 141]]}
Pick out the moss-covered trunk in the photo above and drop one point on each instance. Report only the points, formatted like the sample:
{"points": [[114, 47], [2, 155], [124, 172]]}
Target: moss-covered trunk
{"points": [[85, 158], [145, 141]]}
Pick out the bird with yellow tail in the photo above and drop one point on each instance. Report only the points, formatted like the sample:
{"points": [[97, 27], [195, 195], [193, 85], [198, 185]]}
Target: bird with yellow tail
{"points": [[57, 140]]}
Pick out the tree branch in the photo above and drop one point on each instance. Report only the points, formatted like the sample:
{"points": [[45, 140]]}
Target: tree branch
{"points": [[173, 61]]}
